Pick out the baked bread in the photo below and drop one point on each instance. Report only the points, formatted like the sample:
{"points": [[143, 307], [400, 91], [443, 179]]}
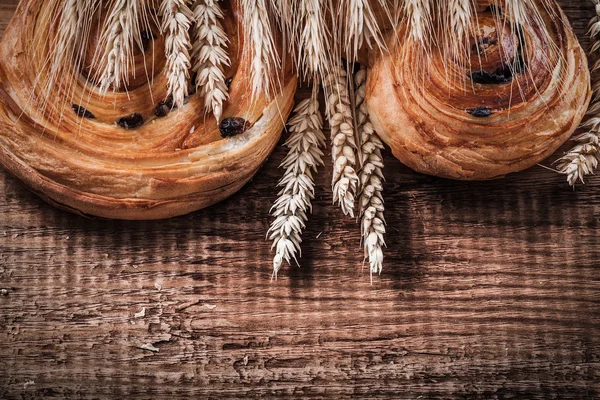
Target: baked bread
{"points": [[126, 154], [520, 95]]}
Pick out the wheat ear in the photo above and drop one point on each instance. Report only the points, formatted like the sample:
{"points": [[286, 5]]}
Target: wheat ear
{"points": [[284, 11], [210, 56], [305, 155], [420, 20], [583, 159], [361, 27], [339, 113], [73, 26], [119, 36], [68, 33], [371, 179], [177, 18], [313, 39], [461, 26], [258, 33]]}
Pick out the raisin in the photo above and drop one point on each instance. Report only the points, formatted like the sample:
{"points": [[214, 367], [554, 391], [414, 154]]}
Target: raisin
{"points": [[131, 121], [480, 112], [147, 38], [82, 112], [164, 107], [234, 126]]}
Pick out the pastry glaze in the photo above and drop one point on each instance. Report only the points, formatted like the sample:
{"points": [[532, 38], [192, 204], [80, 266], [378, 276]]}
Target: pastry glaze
{"points": [[171, 165], [485, 121]]}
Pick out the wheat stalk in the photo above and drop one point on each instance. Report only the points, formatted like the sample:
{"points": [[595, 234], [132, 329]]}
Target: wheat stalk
{"points": [[371, 179], [210, 54], [176, 21], [119, 35], [258, 33], [583, 159], [343, 153], [305, 155]]}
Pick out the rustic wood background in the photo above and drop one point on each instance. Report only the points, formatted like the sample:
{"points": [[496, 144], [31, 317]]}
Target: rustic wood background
{"points": [[490, 290]]}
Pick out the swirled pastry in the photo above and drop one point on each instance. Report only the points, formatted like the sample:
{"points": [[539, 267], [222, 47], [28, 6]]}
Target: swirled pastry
{"points": [[521, 92], [128, 154]]}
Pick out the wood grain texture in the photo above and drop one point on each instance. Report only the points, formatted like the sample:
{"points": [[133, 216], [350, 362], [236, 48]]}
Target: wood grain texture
{"points": [[490, 291]]}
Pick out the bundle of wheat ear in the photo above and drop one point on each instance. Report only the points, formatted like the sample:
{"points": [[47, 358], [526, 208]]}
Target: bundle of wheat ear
{"points": [[147, 109]]}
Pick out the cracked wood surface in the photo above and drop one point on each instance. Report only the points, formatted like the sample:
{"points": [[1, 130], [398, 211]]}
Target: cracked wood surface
{"points": [[490, 290]]}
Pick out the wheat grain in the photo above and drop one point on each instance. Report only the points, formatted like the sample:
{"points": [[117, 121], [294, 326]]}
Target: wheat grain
{"points": [[583, 159], [210, 56], [176, 21], [305, 155], [118, 38], [343, 153], [258, 33], [371, 179]]}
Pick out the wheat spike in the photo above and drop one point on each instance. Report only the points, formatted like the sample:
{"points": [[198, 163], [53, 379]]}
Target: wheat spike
{"points": [[583, 159], [361, 26], [461, 25], [121, 32], [210, 55], [305, 155], [68, 35], [343, 153], [284, 11], [259, 33], [313, 39], [73, 26], [371, 179], [420, 20], [177, 18]]}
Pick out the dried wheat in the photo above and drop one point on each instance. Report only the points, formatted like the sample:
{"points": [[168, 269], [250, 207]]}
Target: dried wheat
{"points": [[314, 41], [210, 56], [360, 26], [461, 26], [259, 34], [371, 179], [118, 39], [177, 18], [73, 24], [420, 20], [291, 209], [583, 159], [339, 113]]}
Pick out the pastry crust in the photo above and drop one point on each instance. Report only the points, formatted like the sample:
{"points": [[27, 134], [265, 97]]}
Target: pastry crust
{"points": [[441, 120], [167, 167]]}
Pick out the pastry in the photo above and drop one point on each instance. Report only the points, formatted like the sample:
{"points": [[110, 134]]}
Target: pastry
{"points": [[521, 92], [128, 153]]}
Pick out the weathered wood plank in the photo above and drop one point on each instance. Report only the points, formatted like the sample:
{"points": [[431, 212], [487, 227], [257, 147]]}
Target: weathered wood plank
{"points": [[491, 290]]}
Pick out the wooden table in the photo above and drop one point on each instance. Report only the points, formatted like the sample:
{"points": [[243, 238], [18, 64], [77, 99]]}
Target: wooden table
{"points": [[490, 290]]}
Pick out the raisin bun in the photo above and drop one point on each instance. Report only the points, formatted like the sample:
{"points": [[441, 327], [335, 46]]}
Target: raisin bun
{"points": [[519, 92], [128, 154]]}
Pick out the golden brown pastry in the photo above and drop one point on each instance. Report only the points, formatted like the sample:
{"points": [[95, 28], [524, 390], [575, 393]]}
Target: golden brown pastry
{"points": [[522, 93], [127, 155]]}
